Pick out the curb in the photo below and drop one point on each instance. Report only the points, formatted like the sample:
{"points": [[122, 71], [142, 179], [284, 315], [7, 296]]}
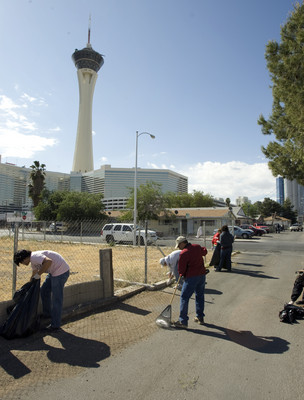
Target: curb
{"points": [[119, 295]]}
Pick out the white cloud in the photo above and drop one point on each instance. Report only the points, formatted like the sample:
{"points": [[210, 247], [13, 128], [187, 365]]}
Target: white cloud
{"points": [[231, 179], [29, 98], [17, 129], [14, 144], [57, 129], [103, 159]]}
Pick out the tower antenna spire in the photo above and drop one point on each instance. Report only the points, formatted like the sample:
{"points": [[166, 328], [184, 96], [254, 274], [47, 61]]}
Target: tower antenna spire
{"points": [[89, 33]]}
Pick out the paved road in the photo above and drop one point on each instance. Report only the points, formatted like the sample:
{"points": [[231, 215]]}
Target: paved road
{"points": [[243, 351]]}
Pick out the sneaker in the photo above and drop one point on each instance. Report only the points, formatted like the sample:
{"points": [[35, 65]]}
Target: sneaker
{"points": [[51, 328], [179, 325], [301, 302], [199, 320], [291, 302]]}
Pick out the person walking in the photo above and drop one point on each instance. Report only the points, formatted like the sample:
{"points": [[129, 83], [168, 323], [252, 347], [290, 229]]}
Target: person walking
{"points": [[226, 240], [191, 267], [57, 270]]}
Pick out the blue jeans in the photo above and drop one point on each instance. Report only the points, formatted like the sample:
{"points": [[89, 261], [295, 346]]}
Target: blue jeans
{"points": [[52, 297], [194, 284], [225, 258]]}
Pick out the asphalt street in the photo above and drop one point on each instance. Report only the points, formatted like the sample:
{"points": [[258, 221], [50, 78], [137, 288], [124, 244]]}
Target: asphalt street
{"points": [[242, 352]]}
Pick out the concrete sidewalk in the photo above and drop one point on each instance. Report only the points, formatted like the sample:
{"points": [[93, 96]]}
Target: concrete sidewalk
{"points": [[84, 341]]}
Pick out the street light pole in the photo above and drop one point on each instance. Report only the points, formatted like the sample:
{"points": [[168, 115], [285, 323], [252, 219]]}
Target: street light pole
{"points": [[135, 184]]}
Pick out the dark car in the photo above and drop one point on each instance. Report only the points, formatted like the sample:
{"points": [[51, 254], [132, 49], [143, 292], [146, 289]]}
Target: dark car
{"points": [[257, 231]]}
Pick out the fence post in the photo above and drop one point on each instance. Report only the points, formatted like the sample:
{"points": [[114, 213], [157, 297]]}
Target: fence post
{"points": [[16, 230], [106, 272], [204, 235], [22, 227], [146, 251]]}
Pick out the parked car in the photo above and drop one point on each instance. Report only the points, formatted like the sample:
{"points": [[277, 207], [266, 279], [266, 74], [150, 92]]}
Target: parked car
{"points": [[58, 227], [257, 231], [241, 233], [124, 233], [297, 227], [265, 227]]}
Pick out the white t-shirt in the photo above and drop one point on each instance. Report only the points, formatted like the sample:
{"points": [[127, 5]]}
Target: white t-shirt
{"points": [[172, 259], [58, 267]]}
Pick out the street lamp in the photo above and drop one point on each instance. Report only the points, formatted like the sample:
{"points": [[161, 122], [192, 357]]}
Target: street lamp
{"points": [[135, 184]]}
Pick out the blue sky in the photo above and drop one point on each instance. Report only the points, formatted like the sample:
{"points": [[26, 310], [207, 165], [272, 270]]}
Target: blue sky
{"points": [[190, 72]]}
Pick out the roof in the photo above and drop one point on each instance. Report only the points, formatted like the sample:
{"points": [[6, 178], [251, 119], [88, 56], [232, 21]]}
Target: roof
{"points": [[277, 218], [183, 213], [207, 212]]}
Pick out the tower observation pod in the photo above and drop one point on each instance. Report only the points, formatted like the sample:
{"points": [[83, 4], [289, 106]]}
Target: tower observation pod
{"points": [[88, 62]]}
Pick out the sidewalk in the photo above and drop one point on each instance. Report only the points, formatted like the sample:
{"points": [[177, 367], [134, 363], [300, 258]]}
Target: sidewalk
{"points": [[83, 342]]}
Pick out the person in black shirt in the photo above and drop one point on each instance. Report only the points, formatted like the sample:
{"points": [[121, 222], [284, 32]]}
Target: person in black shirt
{"points": [[226, 240]]}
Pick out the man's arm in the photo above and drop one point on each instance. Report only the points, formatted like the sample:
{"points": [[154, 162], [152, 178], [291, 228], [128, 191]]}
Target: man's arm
{"points": [[204, 251], [46, 263]]}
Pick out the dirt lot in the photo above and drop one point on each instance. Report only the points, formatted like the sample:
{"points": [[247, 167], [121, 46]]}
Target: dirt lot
{"points": [[128, 263]]}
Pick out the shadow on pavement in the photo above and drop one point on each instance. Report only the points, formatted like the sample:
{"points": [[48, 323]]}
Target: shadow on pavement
{"points": [[253, 274], [261, 344], [250, 265], [132, 309], [76, 351], [212, 291]]}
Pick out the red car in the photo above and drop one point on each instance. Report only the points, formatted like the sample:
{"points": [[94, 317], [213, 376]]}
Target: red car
{"points": [[266, 228], [258, 231]]}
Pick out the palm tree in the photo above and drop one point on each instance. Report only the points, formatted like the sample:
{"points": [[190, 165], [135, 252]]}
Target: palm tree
{"points": [[36, 186]]}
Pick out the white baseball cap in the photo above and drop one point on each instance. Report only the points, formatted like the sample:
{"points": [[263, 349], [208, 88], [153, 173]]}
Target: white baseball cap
{"points": [[179, 240], [162, 261]]}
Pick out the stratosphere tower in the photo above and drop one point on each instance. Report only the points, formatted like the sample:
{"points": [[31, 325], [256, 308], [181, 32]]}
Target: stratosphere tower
{"points": [[88, 62]]}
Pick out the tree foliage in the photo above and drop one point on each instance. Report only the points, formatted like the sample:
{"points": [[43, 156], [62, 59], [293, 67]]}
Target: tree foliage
{"points": [[251, 210], [150, 202], [285, 62], [188, 200], [37, 177], [269, 207], [72, 206], [288, 212]]}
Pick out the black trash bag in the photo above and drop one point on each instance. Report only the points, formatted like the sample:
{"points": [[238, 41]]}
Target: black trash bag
{"points": [[291, 313], [23, 320], [18, 296]]}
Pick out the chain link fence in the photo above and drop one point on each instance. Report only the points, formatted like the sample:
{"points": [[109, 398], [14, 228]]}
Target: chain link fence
{"points": [[79, 243]]}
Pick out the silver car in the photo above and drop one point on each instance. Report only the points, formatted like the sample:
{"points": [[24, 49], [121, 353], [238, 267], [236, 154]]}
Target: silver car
{"points": [[240, 233]]}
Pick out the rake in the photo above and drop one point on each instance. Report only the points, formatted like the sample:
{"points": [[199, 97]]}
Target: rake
{"points": [[164, 318]]}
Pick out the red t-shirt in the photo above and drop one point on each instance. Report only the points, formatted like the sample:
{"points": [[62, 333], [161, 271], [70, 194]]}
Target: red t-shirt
{"points": [[191, 262], [216, 237]]}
